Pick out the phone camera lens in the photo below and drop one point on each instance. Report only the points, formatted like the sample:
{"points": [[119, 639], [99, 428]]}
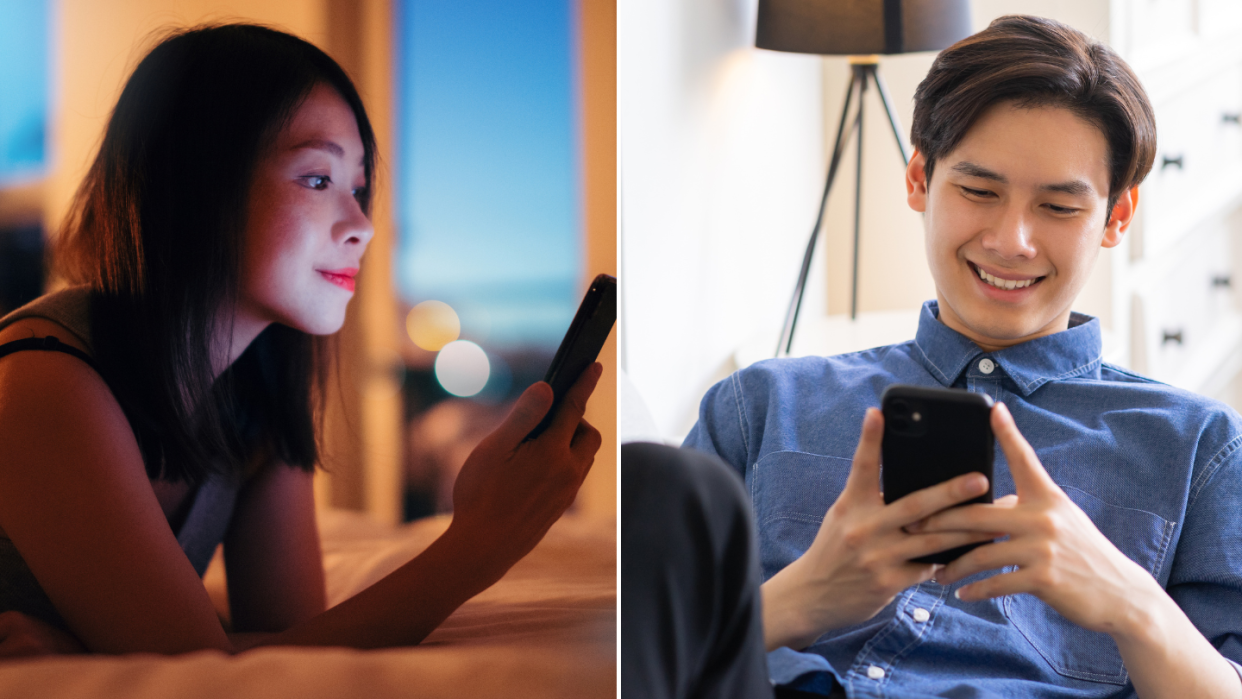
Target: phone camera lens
{"points": [[900, 407]]}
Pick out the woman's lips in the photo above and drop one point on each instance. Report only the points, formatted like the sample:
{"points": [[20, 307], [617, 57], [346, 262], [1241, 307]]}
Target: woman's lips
{"points": [[343, 278]]}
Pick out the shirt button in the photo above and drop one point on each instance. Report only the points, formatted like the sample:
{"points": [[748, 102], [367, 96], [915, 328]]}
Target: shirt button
{"points": [[986, 365], [875, 672], [921, 615]]}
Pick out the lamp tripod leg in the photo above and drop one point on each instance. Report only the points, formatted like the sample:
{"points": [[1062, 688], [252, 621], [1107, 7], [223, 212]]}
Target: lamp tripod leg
{"points": [[785, 343]]}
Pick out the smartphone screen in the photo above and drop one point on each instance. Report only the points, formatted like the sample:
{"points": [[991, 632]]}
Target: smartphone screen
{"points": [[582, 342], [932, 435]]}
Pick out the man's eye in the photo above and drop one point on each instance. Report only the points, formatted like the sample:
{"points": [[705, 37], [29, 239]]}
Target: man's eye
{"points": [[976, 192], [1061, 209], [319, 182]]}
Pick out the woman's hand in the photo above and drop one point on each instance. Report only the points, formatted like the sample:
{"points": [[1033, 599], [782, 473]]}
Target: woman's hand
{"points": [[860, 558], [23, 636], [510, 492]]}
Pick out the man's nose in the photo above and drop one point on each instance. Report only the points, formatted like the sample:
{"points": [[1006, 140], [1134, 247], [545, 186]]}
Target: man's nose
{"points": [[1011, 234]]}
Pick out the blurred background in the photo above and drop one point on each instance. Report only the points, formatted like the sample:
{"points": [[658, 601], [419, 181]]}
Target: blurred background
{"points": [[724, 148], [495, 205]]}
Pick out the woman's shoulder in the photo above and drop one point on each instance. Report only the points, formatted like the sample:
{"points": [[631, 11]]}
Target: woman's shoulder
{"points": [[63, 314]]}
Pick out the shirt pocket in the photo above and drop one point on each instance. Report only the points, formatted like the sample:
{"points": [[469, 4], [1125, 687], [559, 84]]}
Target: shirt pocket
{"points": [[1070, 649], [792, 491]]}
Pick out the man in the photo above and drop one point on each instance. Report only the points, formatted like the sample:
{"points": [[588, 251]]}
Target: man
{"points": [[1119, 557]]}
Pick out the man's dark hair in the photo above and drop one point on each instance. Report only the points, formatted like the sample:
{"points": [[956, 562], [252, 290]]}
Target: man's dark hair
{"points": [[1036, 62], [156, 232]]}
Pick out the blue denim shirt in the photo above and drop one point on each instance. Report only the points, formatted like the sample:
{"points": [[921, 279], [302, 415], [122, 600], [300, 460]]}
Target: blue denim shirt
{"points": [[1156, 468]]}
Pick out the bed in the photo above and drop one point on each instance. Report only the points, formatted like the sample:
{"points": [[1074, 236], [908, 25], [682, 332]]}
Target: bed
{"points": [[547, 629]]}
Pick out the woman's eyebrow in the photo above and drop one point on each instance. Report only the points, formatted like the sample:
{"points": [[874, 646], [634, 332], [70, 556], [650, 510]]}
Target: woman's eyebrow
{"points": [[320, 144]]}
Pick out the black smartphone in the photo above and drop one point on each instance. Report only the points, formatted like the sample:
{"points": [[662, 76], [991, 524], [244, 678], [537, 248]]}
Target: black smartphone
{"points": [[930, 436], [582, 342]]}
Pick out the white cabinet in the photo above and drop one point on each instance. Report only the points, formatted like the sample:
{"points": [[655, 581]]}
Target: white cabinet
{"points": [[1181, 274]]}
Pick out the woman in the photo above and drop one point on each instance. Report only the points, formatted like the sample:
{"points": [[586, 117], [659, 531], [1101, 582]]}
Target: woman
{"points": [[213, 245]]}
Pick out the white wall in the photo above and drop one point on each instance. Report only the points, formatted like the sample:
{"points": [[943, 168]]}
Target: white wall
{"points": [[721, 160], [723, 150]]}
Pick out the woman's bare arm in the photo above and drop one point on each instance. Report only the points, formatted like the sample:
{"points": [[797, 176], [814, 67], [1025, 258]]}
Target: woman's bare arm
{"points": [[272, 554], [75, 500]]}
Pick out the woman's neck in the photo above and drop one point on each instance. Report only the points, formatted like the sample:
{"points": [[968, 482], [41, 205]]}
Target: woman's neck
{"points": [[232, 341]]}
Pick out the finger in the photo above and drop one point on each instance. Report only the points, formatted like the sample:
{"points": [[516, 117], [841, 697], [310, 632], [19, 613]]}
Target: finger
{"points": [[979, 517], [910, 510], [1021, 580], [586, 442], [574, 406], [864, 478], [526, 413], [919, 545], [1024, 466], [991, 557]]}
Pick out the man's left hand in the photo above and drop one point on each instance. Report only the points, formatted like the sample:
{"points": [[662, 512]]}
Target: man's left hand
{"points": [[1062, 558]]}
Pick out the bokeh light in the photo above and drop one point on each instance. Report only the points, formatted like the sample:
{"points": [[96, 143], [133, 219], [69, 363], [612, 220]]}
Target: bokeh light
{"points": [[462, 368], [432, 325]]}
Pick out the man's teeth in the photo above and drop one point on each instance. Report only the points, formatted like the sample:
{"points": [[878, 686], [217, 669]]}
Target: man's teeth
{"points": [[1007, 284]]}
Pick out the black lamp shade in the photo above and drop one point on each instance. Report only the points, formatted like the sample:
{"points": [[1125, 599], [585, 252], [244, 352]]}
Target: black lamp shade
{"points": [[860, 27]]}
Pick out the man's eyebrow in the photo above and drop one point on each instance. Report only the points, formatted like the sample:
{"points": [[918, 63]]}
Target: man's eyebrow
{"points": [[1076, 188], [970, 169], [1072, 187]]}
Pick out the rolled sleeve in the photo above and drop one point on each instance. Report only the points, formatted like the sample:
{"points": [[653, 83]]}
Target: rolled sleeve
{"points": [[721, 430], [1206, 579]]}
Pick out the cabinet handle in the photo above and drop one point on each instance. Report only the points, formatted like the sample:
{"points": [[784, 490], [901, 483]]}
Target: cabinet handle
{"points": [[1222, 281], [1167, 160], [1175, 336], [1231, 118]]}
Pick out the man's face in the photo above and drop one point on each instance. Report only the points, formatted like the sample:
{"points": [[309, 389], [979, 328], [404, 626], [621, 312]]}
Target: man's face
{"points": [[1014, 218]]}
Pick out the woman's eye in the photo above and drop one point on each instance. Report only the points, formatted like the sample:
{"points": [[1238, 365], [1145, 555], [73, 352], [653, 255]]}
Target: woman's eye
{"points": [[319, 182], [360, 194]]}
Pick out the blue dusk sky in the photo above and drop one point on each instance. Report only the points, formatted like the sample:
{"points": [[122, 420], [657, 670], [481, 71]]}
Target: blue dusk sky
{"points": [[23, 88], [487, 166]]}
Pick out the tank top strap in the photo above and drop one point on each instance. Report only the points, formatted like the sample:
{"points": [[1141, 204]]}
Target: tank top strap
{"points": [[47, 344]]}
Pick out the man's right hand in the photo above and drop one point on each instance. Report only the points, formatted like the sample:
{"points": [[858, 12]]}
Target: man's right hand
{"points": [[860, 559]]}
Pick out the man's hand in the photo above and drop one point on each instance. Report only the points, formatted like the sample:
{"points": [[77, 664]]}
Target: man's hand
{"points": [[860, 558], [23, 636], [1062, 558]]}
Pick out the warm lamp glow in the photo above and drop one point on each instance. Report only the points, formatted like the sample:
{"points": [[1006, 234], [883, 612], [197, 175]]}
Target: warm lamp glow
{"points": [[462, 368], [432, 325]]}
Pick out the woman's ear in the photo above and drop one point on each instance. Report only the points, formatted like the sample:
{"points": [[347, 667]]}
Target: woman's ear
{"points": [[1120, 217], [916, 182]]}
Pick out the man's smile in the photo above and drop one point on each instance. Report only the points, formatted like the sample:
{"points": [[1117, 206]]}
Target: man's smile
{"points": [[1004, 280]]}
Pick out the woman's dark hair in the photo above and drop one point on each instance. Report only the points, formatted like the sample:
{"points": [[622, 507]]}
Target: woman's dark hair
{"points": [[156, 232], [1036, 62]]}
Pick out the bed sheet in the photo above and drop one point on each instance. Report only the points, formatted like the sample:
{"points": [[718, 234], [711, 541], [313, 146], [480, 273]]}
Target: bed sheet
{"points": [[547, 629]]}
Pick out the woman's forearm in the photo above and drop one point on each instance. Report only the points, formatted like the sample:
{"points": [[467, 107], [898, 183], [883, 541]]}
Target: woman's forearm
{"points": [[402, 608], [1168, 658]]}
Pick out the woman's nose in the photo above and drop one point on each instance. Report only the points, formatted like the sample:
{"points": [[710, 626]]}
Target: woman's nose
{"points": [[354, 226]]}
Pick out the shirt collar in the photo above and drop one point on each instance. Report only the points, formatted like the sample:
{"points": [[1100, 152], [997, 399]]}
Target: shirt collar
{"points": [[1076, 351]]}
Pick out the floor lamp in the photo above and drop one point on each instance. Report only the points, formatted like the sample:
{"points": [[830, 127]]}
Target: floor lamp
{"points": [[860, 29]]}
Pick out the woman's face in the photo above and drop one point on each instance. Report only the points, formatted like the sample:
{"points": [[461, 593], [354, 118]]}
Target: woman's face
{"points": [[305, 230]]}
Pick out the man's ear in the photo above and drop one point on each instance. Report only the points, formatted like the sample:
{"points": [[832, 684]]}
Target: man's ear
{"points": [[1121, 217], [916, 182]]}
